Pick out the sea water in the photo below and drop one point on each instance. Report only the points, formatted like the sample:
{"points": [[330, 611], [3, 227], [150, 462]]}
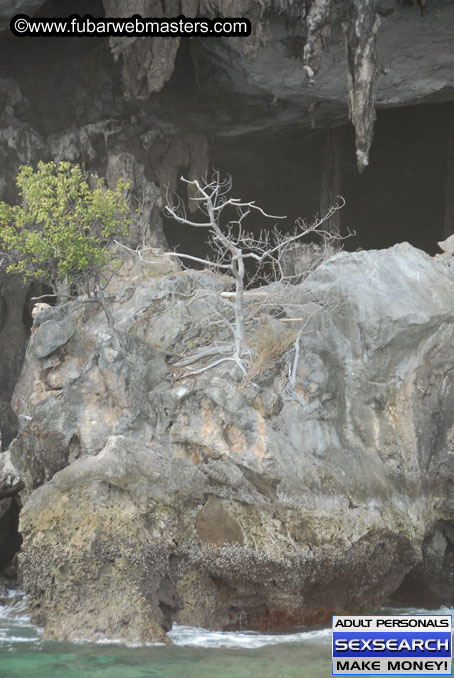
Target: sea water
{"points": [[193, 653]]}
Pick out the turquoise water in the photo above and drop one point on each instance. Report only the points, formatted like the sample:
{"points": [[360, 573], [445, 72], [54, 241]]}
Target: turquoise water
{"points": [[174, 662], [194, 653]]}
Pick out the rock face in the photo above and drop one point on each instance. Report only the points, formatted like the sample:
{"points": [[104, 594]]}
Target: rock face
{"points": [[144, 109], [151, 496], [234, 504]]}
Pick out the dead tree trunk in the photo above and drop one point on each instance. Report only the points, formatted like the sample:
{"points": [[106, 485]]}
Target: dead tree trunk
{"points": [[332, 176]]}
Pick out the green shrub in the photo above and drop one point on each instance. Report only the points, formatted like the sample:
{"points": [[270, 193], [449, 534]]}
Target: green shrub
{"points": [[60, 232]]}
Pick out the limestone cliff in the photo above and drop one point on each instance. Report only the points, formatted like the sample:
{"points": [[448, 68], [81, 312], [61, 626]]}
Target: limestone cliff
{"points": [[148, 109], [151, 496], [209, 500]]}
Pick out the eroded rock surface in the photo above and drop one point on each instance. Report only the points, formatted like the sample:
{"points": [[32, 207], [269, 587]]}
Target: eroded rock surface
{"points": [[152, 497], [145, 109], [294, 501]]}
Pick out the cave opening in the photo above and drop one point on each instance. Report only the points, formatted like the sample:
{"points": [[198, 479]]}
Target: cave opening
{"points": [[401, 196], [10, 537]]}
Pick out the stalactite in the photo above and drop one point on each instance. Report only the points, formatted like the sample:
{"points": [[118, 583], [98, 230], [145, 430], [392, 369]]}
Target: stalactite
{"points": [[318, 28], [361, 29], [147, 63]]}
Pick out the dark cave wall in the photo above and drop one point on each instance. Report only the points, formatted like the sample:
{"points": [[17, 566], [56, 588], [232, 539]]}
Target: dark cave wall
{"points": [[13, 337], [281, 174], [399, 198]]}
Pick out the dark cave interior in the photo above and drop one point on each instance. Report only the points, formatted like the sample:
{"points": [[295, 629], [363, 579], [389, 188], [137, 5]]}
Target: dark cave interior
{"points": [[400, 196]]}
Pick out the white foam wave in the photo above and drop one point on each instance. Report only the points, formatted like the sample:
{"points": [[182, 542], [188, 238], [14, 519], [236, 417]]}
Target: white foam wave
{"points": [[18, 630], [12, 593], [17, 608], [13, 613], [117, 641], [18, 639], [195, 637], [15, 627]]}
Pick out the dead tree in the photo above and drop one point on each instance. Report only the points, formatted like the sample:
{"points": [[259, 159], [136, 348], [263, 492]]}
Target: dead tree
{"points": [[250, 259]]}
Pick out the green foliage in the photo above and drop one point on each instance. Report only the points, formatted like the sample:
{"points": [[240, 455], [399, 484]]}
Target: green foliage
{"points": [[62, 229]]}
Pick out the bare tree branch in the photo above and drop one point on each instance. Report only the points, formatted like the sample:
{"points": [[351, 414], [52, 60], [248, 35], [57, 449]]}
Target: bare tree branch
{"points": [[266, 253]]}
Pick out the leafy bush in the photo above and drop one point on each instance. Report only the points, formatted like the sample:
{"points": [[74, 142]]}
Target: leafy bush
{"points": [[61, 232]]}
